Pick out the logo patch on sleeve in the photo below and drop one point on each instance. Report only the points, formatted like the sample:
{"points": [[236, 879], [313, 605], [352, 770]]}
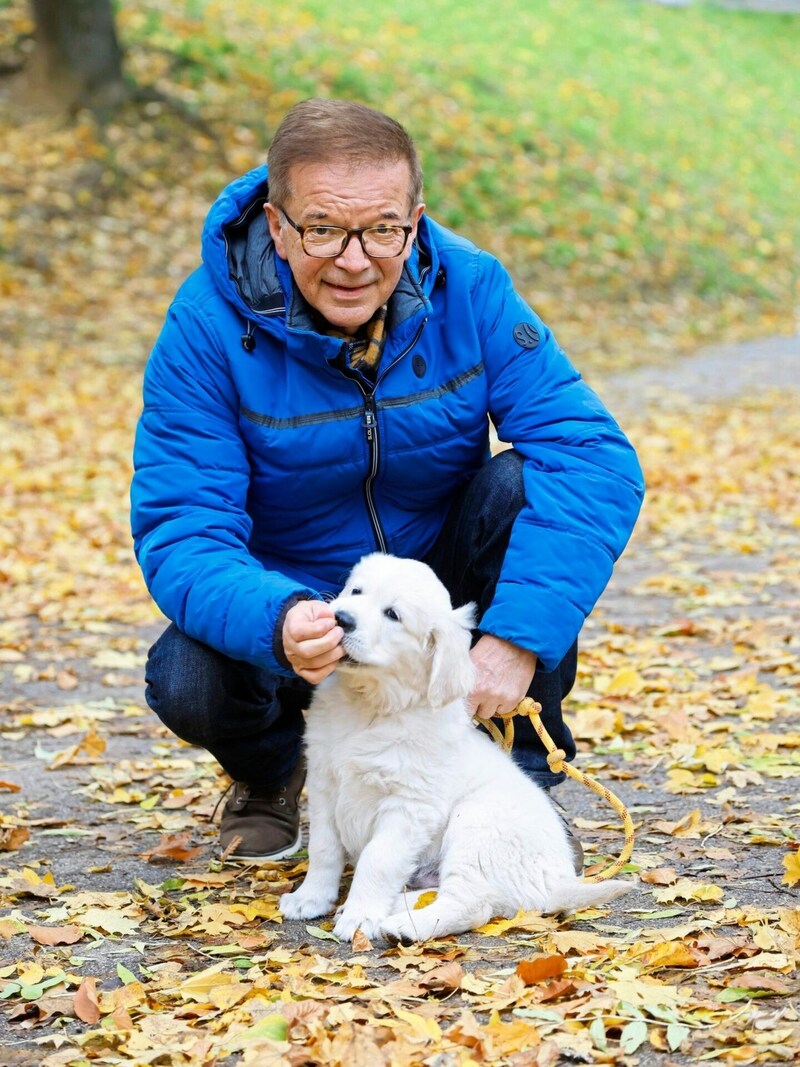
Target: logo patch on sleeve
{"points": [[526, 335]]}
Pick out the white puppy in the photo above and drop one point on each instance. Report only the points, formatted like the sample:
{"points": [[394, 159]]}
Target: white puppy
{"points": [[399, 780]]}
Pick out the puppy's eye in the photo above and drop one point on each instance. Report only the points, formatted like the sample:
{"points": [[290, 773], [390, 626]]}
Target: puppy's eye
{"points": [[355, 592], [390, 613]]}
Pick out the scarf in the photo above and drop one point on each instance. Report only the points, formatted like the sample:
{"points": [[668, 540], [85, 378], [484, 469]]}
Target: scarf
{"points": [[367, 349]]}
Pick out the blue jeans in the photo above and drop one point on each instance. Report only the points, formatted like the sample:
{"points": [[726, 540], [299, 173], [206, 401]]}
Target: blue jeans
{"points": [[251, 720]]}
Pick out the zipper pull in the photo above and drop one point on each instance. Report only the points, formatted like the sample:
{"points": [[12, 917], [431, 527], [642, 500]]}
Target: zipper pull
{"points": [[370, 418]]}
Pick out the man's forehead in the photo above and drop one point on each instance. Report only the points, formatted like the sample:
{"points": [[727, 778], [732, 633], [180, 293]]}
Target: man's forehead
{"points": [[323, 185]]}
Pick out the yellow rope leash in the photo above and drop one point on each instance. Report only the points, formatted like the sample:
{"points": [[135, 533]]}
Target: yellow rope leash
{"points": [[557, 763]]}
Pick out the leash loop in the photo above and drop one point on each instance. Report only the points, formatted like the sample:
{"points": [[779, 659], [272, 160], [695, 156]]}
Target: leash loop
{"points": [[556, 761]]}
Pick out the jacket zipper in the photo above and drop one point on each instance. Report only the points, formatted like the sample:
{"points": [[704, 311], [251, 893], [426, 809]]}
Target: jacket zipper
{"points": [[370, 424], [371, 429]]}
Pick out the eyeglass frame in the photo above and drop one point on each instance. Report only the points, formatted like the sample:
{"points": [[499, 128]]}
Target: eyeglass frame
{"points": [[349, 235]]}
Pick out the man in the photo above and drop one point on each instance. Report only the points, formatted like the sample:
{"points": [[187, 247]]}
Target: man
{"points": [[322, 388]]}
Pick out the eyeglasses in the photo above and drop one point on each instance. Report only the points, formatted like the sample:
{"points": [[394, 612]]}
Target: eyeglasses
{"points": [[327, 242]]}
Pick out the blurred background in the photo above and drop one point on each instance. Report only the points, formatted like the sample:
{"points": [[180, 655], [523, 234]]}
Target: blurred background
{"points": [[634, 164]]}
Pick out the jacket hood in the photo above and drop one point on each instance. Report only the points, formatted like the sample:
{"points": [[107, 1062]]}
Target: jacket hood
{"points": [[239, 253]]}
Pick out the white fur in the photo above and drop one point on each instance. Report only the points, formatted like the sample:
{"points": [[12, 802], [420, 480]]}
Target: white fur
{"points": [[399, 780]]}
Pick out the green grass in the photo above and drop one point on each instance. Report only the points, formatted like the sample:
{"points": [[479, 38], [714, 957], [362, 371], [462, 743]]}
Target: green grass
{"points": [[629, 150]]}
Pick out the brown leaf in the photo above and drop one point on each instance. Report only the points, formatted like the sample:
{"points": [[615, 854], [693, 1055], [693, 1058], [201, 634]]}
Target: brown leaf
{"points": [[717, 948], [86, 1006], [444, 979], [660, 876], [541, 968], [88, 750], [67, 679], [13, 837], [56, 935], [122, 1019], [10, 787], [561, 988], [759, 981], [361, 943], [173, 847]]}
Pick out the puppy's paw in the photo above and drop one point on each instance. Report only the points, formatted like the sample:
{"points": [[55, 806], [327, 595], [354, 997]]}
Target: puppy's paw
{"points": [[404, 928], [300, 905], [350, 920]]}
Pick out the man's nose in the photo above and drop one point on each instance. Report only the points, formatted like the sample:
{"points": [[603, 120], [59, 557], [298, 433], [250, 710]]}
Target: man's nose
{"points": [[353, 256], [345, 620]]}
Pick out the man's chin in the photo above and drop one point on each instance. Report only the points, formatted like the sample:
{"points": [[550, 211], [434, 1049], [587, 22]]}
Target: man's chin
{"points": [[346, 319]]}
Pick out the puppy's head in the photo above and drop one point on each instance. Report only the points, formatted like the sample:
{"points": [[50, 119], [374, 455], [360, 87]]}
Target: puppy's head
{"points": [[401, 631]]}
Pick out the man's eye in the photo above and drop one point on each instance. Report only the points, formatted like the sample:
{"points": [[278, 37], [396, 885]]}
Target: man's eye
{"points": [[322, 231], [390, 613]]}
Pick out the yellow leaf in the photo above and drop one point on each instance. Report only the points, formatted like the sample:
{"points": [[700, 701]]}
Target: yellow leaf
{"points": [[31, 974], [717, 759], [423, 1027], [523, 920], [265, 907], [792, 865], [627, 682], [198, 985], [589, 724], [686, 889], [425, 899], [671, 954]]}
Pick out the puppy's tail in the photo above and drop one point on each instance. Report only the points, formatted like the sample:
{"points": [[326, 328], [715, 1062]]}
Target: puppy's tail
{"points": [[573, 895]]}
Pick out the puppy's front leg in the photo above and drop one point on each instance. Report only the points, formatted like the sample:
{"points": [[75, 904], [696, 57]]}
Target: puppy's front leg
{"points": [[326, 857], [383, 868]]}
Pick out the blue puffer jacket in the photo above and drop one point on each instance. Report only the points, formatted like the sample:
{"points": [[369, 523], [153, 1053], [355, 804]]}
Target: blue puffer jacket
{"points": [[264, 472]]}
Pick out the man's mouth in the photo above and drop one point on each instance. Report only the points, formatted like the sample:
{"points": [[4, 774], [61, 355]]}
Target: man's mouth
{"points": [[348, 290]]}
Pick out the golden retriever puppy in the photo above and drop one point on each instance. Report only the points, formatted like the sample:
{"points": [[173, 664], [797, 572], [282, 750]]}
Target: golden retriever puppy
{"points": [[399, 779]]}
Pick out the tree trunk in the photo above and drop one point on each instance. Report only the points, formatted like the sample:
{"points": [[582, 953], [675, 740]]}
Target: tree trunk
{"points": [[78, 55]]}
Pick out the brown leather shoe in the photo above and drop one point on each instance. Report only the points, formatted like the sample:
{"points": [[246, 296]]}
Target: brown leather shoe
{"points": [[267, 821]]}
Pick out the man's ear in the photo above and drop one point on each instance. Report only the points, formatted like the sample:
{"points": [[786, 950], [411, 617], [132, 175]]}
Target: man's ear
{"points": [[416, 215], [452, 671], [275, 228]]}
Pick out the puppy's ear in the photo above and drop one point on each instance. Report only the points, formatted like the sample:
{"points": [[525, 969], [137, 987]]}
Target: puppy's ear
{"points": [[452, 673]]}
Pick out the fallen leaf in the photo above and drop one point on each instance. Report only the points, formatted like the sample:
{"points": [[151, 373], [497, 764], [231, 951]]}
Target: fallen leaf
{"points": [[56, 935], [361, 943], [13, 837], [659, 876], [541, 968], [792, 865], [85, 1002], [173, 847]]}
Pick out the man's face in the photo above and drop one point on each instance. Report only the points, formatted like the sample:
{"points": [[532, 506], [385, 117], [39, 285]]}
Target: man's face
{"points": [[347, 290]]}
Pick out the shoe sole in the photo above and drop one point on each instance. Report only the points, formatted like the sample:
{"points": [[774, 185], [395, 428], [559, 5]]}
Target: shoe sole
{"points": [[272, 857]]}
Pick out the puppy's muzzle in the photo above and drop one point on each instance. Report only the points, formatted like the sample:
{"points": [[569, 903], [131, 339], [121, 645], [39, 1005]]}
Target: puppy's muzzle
{"points": [[348, 624], [345, 620]]}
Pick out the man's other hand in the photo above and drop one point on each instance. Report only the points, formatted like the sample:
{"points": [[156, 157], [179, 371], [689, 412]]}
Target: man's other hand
{"points": [[312, 640], [505, 672]]}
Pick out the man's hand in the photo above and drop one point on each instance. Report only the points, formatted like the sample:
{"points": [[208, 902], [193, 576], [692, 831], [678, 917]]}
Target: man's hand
{"points": [[505, 672], [312, 640]]}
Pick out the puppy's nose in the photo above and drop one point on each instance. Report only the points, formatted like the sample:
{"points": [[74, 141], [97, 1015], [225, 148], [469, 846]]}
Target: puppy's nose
{"points": [[346, 621]]}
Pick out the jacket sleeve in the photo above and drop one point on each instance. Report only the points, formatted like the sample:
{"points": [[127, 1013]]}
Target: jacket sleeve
{"points": [[583, 482], [191, 479]]}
